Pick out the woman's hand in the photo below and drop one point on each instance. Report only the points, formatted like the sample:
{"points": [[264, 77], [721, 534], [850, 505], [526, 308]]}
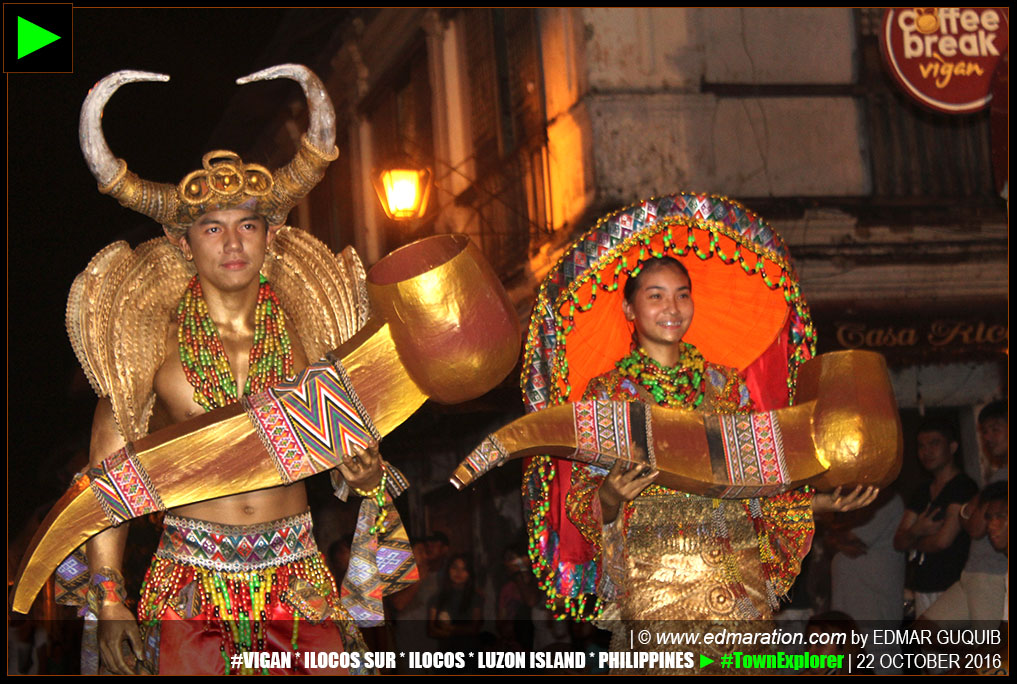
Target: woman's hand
{"points": [[620, 486], [837, 502]]}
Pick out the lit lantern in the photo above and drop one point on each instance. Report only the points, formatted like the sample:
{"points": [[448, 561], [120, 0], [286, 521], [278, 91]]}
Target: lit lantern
{"points": [[403, 190]]}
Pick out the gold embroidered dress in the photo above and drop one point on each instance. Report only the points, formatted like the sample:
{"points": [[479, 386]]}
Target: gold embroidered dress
{"points": [[673, 556]]}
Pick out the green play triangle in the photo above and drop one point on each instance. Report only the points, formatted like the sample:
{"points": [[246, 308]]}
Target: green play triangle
{"points": [[32, 37], [704, 661]]}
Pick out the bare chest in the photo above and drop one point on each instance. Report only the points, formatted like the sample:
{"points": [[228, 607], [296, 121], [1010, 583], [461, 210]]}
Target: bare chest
{"points": [[174, 391]]}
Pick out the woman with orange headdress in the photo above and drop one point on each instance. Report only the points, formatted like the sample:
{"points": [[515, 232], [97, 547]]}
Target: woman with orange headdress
{"points": [[615, 320]]}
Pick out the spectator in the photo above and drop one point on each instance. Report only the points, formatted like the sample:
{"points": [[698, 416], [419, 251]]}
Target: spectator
{"points": [[437, 550], [930, 529], [997, 516], [978, 594], [457, 613], [845, 644]]}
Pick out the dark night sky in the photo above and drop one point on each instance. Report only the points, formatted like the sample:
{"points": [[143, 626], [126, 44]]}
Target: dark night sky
{"points": [[56, 218]]}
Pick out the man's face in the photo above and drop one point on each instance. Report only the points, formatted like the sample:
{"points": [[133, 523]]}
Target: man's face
{"points": [[995, 434], [997, 521], [935, 451], [228, 248]]}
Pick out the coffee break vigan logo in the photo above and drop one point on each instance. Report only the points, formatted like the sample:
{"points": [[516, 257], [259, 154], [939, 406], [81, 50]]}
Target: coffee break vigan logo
{"points": [[945, 56]]}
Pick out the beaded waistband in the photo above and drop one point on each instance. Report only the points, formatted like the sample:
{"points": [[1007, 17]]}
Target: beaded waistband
{"points": [[237, 548]]}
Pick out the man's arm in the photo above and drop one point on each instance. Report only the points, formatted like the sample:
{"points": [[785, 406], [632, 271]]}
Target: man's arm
{"points": [[944, 536], [106, 550], [905, 537], [925, 533]]}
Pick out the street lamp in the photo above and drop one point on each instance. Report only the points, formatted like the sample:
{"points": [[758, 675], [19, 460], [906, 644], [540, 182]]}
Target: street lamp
{"points": [[403, 189]]}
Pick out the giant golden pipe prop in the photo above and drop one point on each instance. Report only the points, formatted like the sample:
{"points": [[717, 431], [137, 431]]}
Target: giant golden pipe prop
{"points": [[442, 328], [844, 430]]}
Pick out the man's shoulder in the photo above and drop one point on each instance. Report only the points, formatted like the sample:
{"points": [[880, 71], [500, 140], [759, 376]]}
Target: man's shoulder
{"points": [[960, 489], [118, 313]]}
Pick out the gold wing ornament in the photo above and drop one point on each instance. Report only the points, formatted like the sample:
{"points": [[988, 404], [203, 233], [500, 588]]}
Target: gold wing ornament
{"points": [[120, 308]]}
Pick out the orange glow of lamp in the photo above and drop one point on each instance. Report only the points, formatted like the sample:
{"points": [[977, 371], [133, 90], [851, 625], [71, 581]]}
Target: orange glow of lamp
{"points": [[403, 190]]}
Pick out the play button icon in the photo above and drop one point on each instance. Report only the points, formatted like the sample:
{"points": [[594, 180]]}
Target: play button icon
{"points": [[38, 38], [32, 37]]}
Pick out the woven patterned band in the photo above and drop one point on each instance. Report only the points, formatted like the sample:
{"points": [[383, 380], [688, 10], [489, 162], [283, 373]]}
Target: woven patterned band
{"points": [[747, 450], [123, 488], [311, 423], [237, 548]]}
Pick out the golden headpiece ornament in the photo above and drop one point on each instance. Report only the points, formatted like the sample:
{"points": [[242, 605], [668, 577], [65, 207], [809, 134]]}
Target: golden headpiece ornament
{"points": [[224, 181]]}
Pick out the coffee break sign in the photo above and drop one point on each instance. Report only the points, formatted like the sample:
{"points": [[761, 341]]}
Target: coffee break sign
{"points": [[944, 57]]}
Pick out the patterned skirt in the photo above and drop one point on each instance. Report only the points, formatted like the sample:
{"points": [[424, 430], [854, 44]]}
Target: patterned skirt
{"points": [[214, 592]]}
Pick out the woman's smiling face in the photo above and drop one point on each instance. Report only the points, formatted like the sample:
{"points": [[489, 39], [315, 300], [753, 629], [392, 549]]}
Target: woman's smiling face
{"points": [[661, 308]]}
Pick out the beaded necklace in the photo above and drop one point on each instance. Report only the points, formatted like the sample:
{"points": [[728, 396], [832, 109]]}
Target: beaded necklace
{"points": [[204, 358], [680, 386]]}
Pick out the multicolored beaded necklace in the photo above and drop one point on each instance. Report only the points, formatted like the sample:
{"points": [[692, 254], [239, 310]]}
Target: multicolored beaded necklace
{"points": [[204, 358], [680, 386]]}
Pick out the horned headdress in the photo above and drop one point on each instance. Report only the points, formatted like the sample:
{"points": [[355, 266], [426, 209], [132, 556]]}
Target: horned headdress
{"points": [[224, 181]]}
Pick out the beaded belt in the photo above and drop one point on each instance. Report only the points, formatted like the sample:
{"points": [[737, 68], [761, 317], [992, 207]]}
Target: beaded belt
{"points": [[237, 548]]}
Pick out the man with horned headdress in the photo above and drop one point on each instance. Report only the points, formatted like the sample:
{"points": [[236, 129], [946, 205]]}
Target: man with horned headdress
{"points": [[230, 303]]}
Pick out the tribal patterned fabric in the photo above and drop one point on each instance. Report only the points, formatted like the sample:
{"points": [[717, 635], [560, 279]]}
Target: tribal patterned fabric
{"points": [[488, 455], [236, 548], [379, 564], [396, 483], [204, 616], [72, 580], [123, 488], [311, 423], [603, 431], [753, 449]]}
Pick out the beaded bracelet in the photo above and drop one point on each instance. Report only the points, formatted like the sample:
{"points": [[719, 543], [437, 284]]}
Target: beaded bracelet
{"points": [[106, 585], [378, 494]]}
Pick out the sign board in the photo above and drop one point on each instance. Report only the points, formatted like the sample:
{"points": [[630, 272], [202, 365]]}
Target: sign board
{"points": [[945, 57]]}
